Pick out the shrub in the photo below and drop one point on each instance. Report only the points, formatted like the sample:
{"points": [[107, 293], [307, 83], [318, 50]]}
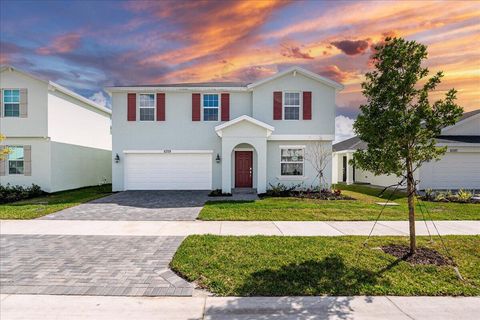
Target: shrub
{"points": [[464, 195], [429, 195], [440, 197], [281, 190], [11, 193], [218, 193]]}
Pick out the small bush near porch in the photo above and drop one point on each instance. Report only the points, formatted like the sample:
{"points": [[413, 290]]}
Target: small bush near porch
{"points": [[303, 266], [363, 208]]}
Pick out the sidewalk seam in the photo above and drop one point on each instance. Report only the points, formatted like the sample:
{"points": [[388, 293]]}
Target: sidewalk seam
{"points": [[328, 224], [278, 228], [399, 309]]}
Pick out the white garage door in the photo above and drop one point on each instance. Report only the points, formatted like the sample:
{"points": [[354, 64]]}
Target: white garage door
{"points": [[454, 171], [168, 171]]}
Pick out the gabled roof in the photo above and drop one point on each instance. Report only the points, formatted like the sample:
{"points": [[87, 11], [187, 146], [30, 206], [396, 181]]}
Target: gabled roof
{"points": [[353, 143], [469, 114], [191, 85], [219, 128], [218, 86], [302, 71], [58, 87]]}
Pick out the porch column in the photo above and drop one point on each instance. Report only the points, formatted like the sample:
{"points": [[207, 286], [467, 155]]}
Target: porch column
{"points": [[349, 168], [261, 148], [226, 166]]}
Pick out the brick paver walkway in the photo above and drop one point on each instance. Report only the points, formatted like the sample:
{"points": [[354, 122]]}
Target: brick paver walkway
{"points": [[138, 206], [90, 265]]}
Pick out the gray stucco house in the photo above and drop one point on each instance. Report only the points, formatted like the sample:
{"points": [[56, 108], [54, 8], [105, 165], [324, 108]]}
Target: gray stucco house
{"points": [[203, 136]]}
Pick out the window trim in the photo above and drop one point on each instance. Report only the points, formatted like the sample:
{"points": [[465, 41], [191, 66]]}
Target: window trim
{"points": [[300, 106], [3, 102], [8, 162], [219, 107], [302, 176], [154, 106]]}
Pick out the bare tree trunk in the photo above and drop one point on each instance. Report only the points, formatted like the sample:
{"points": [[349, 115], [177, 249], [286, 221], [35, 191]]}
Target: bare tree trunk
{"points": [[411, 207]]}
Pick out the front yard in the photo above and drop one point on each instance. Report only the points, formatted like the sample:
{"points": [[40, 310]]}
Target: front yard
{"points": [[281, 266], [363, 208], [40, 206]]}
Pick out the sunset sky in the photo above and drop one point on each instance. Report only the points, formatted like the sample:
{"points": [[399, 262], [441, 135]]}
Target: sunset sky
{"points": [[86, 45]]}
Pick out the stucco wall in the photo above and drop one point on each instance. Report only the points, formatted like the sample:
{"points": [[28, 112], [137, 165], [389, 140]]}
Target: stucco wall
{"points": [[177, 132], [35, 124], [40, 163], [323, 105], [73, 121], [74, 166], [273, 165]]}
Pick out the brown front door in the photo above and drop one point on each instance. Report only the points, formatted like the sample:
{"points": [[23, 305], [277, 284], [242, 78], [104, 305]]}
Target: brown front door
{"points": [[243, 169]]}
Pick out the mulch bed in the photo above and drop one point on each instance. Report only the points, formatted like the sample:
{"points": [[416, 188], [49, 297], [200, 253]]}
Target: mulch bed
{"points": [[423, 255]]}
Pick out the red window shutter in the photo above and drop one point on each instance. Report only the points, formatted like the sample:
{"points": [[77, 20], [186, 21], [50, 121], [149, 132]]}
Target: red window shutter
{"points": [[307, 105], [277, 105], [225, 106], [132, 107], [160, 106], [195, 106]]}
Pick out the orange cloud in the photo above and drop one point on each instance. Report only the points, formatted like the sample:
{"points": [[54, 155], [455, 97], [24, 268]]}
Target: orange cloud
{"points": [[62, 44]]}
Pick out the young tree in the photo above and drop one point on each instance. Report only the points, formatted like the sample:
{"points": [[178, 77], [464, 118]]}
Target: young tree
{"points": [[319, 156], [399, 123]]}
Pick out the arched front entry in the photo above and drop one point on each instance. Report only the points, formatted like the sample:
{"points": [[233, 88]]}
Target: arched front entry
{"points": [[244, 166], [244, 146]]}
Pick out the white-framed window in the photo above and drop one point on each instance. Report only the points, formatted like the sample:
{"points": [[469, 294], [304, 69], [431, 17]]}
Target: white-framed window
{"points": [[11, 102], [291, 161], [146, 103], [291, 106], [211, 106], [15, 160]]}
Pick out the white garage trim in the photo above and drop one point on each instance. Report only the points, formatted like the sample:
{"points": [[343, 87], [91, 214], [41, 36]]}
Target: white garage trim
{"points": [[185, 170], [168, 151]]}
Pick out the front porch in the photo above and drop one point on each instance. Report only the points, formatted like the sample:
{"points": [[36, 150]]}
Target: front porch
{"points": [[244, 154]]}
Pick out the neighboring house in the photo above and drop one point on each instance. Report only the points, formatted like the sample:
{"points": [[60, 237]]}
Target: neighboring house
{"points": [[221, 135], [458, 168], [58, 139]]}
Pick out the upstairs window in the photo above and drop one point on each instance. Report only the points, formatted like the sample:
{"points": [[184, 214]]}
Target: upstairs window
{"points": [[15, 160], [11, 103], [210, 107], [291, 161], [291, 106], [147, 107]]}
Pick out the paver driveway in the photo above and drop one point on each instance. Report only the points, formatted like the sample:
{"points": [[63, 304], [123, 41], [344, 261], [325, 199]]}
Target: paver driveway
{"points": [[138, 206], [90, 265]]}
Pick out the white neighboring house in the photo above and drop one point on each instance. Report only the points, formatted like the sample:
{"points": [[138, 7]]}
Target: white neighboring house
{"points": [[458, 168], [203, 136], [59, 139]]}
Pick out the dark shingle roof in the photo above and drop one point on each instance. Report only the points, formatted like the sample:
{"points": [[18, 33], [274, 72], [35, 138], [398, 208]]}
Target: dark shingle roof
{"points": [[350, 144], [194, 85], [469, 114]]}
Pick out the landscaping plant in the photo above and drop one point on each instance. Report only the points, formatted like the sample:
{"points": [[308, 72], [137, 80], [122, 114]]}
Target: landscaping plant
{"points": [[399, 122]]}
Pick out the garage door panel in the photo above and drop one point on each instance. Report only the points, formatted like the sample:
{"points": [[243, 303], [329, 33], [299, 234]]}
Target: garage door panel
{"points": [[453, 171], [168, 171]]}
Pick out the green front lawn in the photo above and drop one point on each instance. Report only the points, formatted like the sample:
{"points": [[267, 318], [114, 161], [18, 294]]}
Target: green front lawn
{"points": [[40, 206], [281, 266], [363, 208]]}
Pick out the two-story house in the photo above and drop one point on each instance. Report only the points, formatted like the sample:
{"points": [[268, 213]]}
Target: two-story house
{"points": [[58, 139], [202, 136]]}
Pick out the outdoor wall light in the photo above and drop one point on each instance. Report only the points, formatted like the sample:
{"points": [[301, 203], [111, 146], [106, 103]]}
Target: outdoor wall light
{"points": [[217, 159], [117, 158]]}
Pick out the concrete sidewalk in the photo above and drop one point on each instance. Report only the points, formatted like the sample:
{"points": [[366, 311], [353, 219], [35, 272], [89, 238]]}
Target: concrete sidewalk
{"points": [[23, 307], [237, 228]]}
